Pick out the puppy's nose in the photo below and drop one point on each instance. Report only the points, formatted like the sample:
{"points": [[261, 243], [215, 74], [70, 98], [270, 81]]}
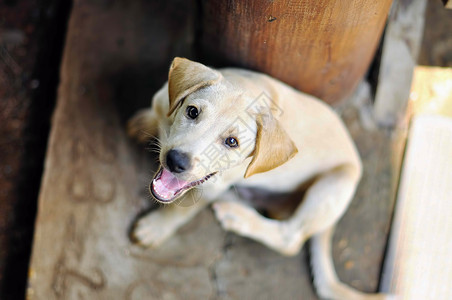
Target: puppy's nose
{"points": [[177, 161]]}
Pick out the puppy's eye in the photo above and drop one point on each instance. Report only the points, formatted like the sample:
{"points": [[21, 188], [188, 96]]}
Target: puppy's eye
{"points": [[192, 112], [231, 142]]}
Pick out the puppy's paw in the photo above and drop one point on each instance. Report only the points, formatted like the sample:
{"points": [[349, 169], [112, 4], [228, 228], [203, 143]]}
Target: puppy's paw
{"points": [[236, 217], [142, 126], [150, 231]]}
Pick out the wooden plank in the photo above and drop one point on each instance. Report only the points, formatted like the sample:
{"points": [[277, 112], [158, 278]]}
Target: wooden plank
{"points": [[418, 265], [319, 47], [424, 193], [400, 51]]}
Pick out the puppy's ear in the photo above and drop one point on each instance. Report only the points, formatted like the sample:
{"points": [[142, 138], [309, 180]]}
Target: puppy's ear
{"points": [[273, 146], [185, 77]]}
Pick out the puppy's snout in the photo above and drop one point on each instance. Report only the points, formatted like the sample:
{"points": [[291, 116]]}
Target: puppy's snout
{"points": [[177, 161]]}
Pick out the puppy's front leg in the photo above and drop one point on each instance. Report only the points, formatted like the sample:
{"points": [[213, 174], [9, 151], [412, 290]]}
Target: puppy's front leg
{"points": [[156, 227]]}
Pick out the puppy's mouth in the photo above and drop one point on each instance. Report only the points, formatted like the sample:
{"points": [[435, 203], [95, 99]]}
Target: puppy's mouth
{"points": [[165, 187]]}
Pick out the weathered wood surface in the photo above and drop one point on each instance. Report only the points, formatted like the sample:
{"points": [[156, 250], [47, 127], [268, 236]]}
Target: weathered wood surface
{"points": [[424, 212], [418, 265], [95, 183], [320, 47]]}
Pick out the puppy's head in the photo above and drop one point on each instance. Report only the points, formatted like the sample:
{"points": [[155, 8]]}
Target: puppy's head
{"points": [[212, 129]]}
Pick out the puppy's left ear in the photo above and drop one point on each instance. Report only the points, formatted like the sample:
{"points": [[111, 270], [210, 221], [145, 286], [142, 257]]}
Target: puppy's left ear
{"points": [[185, 77], [273, 146]]}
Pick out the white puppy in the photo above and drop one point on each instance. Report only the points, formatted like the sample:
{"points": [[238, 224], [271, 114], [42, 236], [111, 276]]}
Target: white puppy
{"points": [[220, 128]]}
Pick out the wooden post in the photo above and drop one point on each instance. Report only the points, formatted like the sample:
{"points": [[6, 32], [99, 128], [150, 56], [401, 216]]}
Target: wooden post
{"points": [[320, 47]]}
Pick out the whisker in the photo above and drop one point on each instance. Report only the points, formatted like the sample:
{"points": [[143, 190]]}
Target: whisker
{"points": [[154, 145], [153, 150], [157, 140]]}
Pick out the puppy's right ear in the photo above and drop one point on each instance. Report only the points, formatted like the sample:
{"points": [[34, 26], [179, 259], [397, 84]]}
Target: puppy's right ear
{"points": [[185, 77], [273, 146]]}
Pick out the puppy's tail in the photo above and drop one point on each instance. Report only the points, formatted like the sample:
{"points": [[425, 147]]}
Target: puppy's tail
{"points": [[326, 281]]}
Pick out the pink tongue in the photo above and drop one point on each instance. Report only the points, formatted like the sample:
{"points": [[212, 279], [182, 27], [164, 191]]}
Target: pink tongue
{"points": [[167, 185]]}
